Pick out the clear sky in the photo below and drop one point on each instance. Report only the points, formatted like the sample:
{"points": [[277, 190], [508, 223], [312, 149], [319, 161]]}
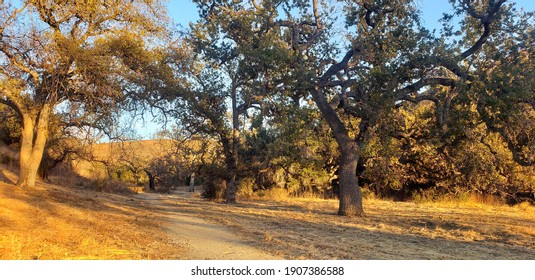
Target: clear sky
{"points": [[184, 11]]}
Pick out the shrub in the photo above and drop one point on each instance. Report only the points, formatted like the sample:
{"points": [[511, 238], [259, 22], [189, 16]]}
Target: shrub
{"points": [[110, 186], [214, 189], [246, 187], [215, 181]]}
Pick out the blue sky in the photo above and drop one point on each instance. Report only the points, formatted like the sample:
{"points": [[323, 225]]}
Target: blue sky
{"points": [[184, 11]]}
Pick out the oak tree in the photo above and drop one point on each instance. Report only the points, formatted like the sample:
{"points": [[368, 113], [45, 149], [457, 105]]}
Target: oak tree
{"points": [[80, 56]]}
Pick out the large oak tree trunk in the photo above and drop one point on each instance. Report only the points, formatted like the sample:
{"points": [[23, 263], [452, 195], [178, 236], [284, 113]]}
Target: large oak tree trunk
{"points": [[26, 152], [151, 180], [34, 136], [350, 194], [232, 162], [230, 193]]}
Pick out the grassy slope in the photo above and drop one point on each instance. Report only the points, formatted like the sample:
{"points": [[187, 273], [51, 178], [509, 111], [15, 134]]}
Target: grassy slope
{"points": [[138, 152], [53, 222]]}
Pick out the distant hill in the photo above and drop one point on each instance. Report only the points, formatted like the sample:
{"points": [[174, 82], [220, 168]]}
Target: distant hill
{"points": [[142, 149], [138, 153]]}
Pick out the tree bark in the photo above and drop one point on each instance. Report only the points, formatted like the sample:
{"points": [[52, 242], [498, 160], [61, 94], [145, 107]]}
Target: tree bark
{"points": [[350, 203], [151, 180], [25, 163], [230, 192], [192, 182], [350, 198], [34, 136]]}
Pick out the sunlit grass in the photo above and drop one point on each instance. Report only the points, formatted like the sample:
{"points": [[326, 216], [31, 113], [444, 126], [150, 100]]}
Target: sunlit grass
{"points": [[52, 222], [462, 222]]}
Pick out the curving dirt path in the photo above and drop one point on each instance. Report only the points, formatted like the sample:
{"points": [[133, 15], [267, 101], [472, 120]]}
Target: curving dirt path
{"points": [[308, 229], [202, 240]]}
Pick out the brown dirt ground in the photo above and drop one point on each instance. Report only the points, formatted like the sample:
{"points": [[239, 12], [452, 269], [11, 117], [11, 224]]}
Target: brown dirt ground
{"points": [[53, 222], [310, 229]]}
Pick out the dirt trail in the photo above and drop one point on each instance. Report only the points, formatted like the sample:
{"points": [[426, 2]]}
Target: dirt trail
{"points": [[202, 240], [310, 229]]}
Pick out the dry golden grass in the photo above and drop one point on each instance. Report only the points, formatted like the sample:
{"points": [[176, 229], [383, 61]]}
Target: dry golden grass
{"points": [[53, 222], [299, 228], [146, 149]]}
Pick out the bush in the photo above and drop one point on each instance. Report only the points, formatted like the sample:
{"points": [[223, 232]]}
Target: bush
{"points": [[214, 189], [215, 181], [110, 186], [246, 187]]}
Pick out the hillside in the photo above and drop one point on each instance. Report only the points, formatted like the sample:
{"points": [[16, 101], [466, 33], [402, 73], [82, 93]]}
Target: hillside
{"points": [[140, 152], [137, 155], [143, 149], [55, 222]]}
